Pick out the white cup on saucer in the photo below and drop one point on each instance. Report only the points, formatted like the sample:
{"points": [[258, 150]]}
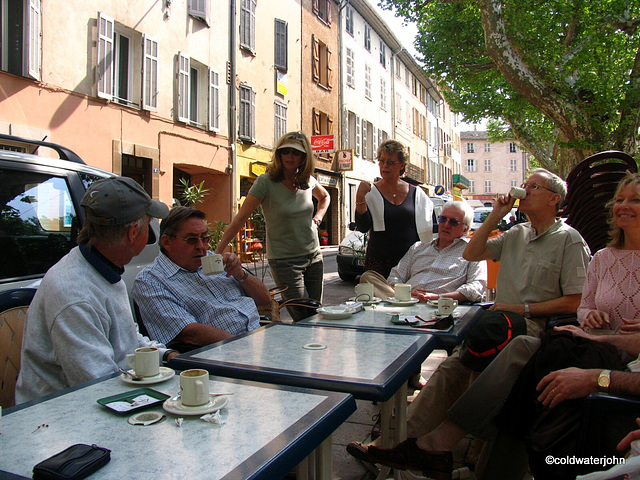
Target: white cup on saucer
{"points": [[446, 306], [212, 264], [194, 387], [145, 361], [402, 292], [364, 292]]}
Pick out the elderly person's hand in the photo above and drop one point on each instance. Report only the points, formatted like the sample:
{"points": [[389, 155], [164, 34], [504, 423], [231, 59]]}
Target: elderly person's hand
{"points": [[631, 326], [575, 331], [631, 437], [567, 384], [422, 295], [596, 319], [232, 265]]}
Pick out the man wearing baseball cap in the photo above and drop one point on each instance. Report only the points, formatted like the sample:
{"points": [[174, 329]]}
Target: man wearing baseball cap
{"points": [[79, 326]]}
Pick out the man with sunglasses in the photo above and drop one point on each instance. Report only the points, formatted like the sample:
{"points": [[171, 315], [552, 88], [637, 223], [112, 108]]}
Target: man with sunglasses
{"points": [[180, 304], [437, 268]]}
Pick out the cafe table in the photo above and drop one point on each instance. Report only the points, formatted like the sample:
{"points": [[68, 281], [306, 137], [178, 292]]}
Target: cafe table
{"points": [[378, 317], [370, 365], [267, 431]]}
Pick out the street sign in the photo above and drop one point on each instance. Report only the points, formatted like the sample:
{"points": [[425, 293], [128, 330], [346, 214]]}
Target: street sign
{"points": [[323, 143], [439, 190]]}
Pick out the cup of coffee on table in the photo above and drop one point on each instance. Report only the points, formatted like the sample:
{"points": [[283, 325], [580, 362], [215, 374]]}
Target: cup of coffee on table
{"points": [[446, 306], [402, 292], [194, 387], [212, 264], [364, 292], [145, 361]]}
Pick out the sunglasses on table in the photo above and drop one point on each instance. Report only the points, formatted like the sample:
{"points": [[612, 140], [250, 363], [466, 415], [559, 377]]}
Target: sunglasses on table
{"points": [[290, 151], [452, 221], [193, 241]]}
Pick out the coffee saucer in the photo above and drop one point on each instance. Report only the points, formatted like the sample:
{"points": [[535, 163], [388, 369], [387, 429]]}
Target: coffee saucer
{"points": [[366, 302], [165, 374], [454, 314], [402, 303], [174, 405]]}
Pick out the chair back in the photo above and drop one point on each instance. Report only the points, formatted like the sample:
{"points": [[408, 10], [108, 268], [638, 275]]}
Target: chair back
{"points": [[590, 185], [13, 311]]}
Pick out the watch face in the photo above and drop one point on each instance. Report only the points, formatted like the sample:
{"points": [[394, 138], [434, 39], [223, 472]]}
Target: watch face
{"points": [[604, 380]]}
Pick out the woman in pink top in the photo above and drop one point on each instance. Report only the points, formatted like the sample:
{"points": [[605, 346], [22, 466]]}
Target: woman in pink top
{"points": [[611, 295]]}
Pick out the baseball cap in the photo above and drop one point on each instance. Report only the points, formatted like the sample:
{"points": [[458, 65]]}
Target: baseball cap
{"points": [[294, 145], [119, 200], [489, 336]]}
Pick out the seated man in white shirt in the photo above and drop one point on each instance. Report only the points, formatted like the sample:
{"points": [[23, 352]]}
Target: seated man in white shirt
{"points": [[437, 268]]}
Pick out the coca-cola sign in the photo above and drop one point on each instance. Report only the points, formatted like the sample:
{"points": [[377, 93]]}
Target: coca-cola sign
{"points": [[323, 144]]}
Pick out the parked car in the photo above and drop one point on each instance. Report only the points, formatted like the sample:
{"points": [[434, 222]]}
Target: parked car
{"points": [[40, 213], [480, 214], [352, 248]]}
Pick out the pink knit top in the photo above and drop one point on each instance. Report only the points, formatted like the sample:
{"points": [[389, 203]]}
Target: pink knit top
{"points": [[612, 286]]}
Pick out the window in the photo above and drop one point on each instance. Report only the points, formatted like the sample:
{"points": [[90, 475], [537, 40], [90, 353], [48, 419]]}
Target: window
{"points": [[280, 121], [470, 148], [513, 183], [322, 125], [513, 165], [513, 148], [140, 169], [487, 165], [487, 147], [150, 74], [322, 8], [414, 86], [472, 186], [367, 37], [383, 54], [214, 100], [348, 22], [248, 25], [487, 186], [247, 114], [471, 165], [322, 71], [407, 76], [20, 37], [368, 139], [352, 132], [199, 9], [39, 222], [280, 45], [383, 94], [409, 118], [399, 108], [398, 66], [367, 81], [350, 68]]}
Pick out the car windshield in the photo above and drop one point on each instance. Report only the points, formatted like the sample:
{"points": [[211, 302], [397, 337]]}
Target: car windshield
{"points": [[481, 216]]}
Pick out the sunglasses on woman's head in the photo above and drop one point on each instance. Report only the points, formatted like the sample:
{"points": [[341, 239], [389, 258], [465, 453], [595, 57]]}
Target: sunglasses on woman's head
{"points": [[290, 151], [452, 221]]}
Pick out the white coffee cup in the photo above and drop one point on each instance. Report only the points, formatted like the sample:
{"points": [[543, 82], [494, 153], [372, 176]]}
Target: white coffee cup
{"points": [[145, 361], [517, 192], [402, 291], [194, 387], [212, 264], [446, 306], [364, 292]]}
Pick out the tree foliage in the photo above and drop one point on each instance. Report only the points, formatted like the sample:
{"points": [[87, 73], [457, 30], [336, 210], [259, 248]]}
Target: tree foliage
{"points": [[562, 75]]}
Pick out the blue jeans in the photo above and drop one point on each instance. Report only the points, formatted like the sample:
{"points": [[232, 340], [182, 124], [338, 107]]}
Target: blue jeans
{"points": [[304, 277]]}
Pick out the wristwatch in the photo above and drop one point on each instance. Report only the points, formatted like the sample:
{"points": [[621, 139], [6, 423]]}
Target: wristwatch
{"points": [[604, 380], [244, 277], [527, 312]]}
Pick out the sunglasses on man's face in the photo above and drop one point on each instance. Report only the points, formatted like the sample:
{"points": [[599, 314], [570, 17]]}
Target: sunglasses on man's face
{"points": [[290, 151], [452, 221]]}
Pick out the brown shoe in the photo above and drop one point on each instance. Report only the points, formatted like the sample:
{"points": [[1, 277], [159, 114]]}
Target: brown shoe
{"points": [[407, 455], [359, 451]]}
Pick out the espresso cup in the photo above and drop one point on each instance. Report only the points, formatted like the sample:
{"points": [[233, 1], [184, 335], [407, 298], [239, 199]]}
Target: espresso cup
{"points": [[194, 387], [145, 361], [446, 306], [517, 192], [402, 291], [212, 264], [364, 292]]}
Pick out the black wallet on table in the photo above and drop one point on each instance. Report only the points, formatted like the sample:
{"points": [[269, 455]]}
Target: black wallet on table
{"points": [[76, 462]]}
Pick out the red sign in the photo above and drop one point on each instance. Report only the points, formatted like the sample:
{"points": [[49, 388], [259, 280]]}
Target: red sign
{"points": [[323, 143]]}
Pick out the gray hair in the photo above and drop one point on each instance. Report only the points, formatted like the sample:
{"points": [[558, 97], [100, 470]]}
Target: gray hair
{"points": [[110, 235], [466, 210], [554, 183]]}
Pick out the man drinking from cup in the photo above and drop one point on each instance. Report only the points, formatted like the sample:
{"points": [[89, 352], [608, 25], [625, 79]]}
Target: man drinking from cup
{"points": [[437, 268], [79, 325], [179, 303]]}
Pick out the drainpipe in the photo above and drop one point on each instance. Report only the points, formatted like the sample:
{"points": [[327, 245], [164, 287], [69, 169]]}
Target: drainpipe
{"points": [[232, 107]]}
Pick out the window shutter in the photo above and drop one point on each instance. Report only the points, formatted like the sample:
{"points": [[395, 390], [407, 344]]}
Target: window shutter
{"points": [[315, 51], [345, 129], [150, 74], [280, 44], [365, 152], [248, 24], [184, 66], [315, 7], [358, 135], [329, 70], [252, 124], [329, 3], [199, 9], [375, 142], [105, 60], [214, 100], [316, 122], [34, 47], [329, 125]]}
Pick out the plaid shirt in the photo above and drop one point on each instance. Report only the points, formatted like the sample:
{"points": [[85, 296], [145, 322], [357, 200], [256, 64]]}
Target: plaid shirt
{"points": [[170, 298]]}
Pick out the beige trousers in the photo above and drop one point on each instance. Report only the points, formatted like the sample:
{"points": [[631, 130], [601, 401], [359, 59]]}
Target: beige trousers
{"points": [[381, 288]]}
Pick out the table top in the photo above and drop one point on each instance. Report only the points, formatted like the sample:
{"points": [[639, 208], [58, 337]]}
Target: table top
{"points": [[246, 446], [378, 318], [371, 365]]}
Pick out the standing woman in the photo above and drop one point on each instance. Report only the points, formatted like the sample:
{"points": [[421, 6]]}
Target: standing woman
{"points": [[398, 213], [285, 193]]}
